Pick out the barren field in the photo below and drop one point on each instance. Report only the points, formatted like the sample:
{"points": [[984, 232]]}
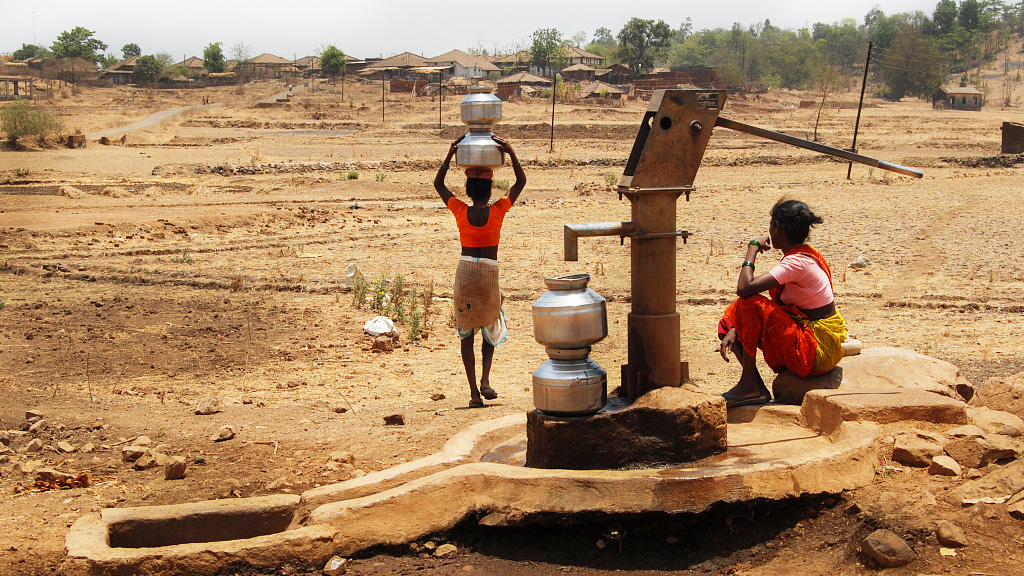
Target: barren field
{"points": [[206, 256]]}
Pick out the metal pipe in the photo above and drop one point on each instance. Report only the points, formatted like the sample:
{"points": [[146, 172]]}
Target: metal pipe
{"points": [[574, 231], [821, 148]]}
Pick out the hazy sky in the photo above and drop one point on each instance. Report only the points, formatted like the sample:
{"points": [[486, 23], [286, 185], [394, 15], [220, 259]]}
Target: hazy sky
{"points": [[387, 27]]}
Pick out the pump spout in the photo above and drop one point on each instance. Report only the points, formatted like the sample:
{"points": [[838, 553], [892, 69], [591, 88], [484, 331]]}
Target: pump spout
{"points": [[574, 231]]}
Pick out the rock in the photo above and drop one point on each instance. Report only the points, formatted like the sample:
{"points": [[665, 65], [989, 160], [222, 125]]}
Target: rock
{"points": [[887, 549], [951, 535], [978, 451], [339, 409], [913, 450], [430, 546], [208, 406], [663, 426], [5, 437], [88, 447], [175, 469], [321, 404], [30, 414], [394, 420], [383, 344], [34, 445], [861, 262], [437, 396], [445, 550], [972, 473], [281, 482], [230, 401], [343, 457], [885, 367], [143, 441], [146, 461], [65, 447], [1002, 393], [996, 487], [968, 431], [1016, 510], [50, 475], [788, 388], [996, 421], [336, 566], [38, 427], [852, 347], [132, 453], [226, 432], [944, 466], [825, 410]]}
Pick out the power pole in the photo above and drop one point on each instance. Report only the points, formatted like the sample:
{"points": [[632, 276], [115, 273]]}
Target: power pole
{"points": [[860, 105]]}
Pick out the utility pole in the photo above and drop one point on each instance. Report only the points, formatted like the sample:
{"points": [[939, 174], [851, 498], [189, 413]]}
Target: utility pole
{"points": [[860, 105]]}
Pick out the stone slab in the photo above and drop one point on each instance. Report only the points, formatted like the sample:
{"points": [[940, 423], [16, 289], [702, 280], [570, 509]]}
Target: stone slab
{"points": [[825, 410], [664, 426], [1002, 393]]}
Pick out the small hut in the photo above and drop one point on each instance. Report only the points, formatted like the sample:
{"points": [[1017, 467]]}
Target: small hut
{"points": [[515, 86], [958, 98]]}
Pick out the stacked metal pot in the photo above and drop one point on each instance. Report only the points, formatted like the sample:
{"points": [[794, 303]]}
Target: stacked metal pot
{"points": [[567, 320], [481, 110]]}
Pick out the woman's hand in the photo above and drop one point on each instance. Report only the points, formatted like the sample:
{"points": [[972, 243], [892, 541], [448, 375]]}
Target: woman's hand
{"points": [[504, 145], [728, 342], [764, 242]]}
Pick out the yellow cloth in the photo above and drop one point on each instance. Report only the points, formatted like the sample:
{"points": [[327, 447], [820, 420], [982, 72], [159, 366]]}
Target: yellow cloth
{"points": [[830, 333]]}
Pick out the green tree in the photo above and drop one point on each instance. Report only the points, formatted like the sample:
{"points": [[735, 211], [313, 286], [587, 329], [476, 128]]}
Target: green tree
{"points": [[147, 69], [78, 42], [603, 36], [911, 66], [641, 42], [970, 15], [332, 61], [945, 16], [131, 49], [547, 51], [18, 120], [213, 58], [29, 51]]}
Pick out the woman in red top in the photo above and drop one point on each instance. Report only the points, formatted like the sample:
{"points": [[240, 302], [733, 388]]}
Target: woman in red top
{"points": [[477, 300]]}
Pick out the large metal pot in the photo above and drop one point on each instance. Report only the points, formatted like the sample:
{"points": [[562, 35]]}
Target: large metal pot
{"points": [[480, 107], [569, 315], [479, 150], [569, 384]]}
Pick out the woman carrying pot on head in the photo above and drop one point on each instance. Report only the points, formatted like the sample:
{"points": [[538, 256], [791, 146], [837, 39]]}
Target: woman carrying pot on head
{"points": [[799, 328], [477, 300]]}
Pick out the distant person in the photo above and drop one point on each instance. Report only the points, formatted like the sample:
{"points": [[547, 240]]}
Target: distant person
{"points": [[477, 300], [799, 328]]}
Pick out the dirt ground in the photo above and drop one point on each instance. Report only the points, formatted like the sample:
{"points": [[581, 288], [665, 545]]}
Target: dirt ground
{"points": [[207, 255]]}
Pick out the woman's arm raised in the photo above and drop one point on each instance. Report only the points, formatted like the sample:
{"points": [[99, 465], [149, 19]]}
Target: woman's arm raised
{"points": [[517, 188], [439, 185]]}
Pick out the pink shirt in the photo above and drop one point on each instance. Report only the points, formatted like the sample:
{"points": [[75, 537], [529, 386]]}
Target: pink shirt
{"points": [[804, 283]]}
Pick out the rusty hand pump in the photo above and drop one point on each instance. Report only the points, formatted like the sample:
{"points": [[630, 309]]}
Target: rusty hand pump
{"points": [[662, 165]]}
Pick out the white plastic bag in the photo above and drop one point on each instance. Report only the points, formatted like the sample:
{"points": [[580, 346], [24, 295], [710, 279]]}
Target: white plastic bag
{"points": [[351, 274], [379, 326]]}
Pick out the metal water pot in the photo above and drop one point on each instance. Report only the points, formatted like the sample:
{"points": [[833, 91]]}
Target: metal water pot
{"points": [[480, 107], [569, 383], [569, 315], [479, 150]]}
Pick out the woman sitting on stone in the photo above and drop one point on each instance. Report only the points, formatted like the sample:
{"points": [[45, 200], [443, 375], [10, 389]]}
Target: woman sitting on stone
{"points": [[799, 328], [477, 299]]}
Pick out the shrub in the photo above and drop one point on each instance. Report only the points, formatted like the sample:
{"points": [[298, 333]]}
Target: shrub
{"points": [[352, 175], [18, 120], [381, 176], [611, 179], [359, 290], [502, 184]]}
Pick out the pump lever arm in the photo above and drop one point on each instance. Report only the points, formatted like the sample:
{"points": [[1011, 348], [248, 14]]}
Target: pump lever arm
{"points": [[807, 144]]}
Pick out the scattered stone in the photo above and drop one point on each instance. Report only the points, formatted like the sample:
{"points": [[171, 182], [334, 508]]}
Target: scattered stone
{"points": [[978, 451], [33, 414], [430, 546], [49, 475], [336, 566], [343, 457], [143, 441], [34, 445], [950, 535], [996, 421], [133, 453], [175, 469], [968, 431], [65, 447], [226, 432], [38, 427], [861, 262], [973, 474], [88, 447], [944, 466], [5, 437], [383, 344], [281, 482], [1002, 393], [445, 550], [888, 549], [340, 409], [913, 450], [321, 404], [1016, 510], [146, 461], [208, 406], [437, 396], [996, 487], [394, 420]]}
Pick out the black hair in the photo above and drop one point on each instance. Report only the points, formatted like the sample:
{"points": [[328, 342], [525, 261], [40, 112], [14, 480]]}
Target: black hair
{"points": [[478, 189], [794, 219]]}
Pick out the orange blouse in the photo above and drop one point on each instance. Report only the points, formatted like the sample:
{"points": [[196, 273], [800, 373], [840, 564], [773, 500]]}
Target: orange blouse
{"points": [[479, 236]]}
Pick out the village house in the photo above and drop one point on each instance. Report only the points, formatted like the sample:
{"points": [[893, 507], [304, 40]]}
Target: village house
{"points": [[398, 66], [269, 66], [958, 98], [194, 67], [580, 56], [520, 84], [465, 65], [120, 73]]}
